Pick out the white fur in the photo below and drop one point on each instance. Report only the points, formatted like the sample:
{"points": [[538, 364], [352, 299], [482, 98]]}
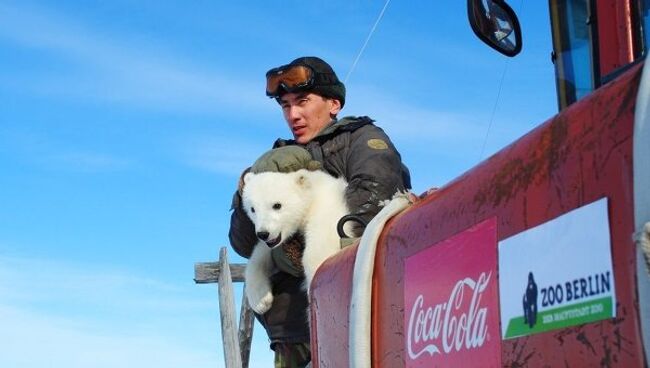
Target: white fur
{"points": [[311, 202]]}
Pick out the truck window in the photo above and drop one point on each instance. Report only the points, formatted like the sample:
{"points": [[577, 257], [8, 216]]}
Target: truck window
{"points": [[644, 12], [573, 50], [584, 59]]}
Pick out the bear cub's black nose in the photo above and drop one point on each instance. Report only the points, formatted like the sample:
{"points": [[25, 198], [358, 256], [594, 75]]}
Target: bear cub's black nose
{"points": [[263, 235]]}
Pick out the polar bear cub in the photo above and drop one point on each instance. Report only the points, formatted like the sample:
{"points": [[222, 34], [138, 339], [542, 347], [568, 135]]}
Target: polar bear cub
{"points": [[281, 205]]}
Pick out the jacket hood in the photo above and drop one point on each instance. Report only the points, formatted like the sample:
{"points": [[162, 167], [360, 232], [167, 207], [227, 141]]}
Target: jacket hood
{"points": [[346, 123]]}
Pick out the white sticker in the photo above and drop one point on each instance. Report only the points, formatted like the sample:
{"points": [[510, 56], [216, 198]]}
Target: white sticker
{"points": [[557, 274]]}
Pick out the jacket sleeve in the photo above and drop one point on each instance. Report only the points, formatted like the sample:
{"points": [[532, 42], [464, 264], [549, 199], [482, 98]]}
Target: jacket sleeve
{"points": [[242, 230], [374, 172]]}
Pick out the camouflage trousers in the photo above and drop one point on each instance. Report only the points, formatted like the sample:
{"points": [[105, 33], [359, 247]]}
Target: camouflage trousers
{"points": [[295, 355]]}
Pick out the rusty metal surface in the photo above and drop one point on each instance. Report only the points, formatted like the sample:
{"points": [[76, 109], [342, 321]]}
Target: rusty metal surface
{"points": [[579, 156], [330, 309]]}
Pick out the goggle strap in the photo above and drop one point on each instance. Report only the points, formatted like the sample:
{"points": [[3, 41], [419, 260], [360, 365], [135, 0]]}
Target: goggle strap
{"points": [[325, 78]]}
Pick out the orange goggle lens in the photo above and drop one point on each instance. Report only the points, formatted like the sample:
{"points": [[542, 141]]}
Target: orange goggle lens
{"points": [[291, 78]]}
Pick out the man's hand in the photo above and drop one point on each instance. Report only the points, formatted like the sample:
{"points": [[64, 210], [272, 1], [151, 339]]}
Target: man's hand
{"points": [[288, 256], [282, 159], [285, 159]]}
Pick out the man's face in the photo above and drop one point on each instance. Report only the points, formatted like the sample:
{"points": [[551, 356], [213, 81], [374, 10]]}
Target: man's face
{"points": [[307, 113]]}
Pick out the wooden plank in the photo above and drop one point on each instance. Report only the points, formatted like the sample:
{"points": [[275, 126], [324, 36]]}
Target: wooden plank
{"points": [[246, 323], [231, 351], [208, 272]]}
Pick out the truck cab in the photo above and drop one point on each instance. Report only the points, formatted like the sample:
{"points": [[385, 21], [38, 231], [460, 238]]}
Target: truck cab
{"points": [[534, 257]]}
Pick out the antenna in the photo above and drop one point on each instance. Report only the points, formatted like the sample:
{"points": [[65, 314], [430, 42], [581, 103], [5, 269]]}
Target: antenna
{"points": [[372, 30]]}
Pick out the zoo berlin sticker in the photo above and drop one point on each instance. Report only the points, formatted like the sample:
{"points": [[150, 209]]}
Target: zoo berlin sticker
{"points": [[451, 316], [558, 274]]}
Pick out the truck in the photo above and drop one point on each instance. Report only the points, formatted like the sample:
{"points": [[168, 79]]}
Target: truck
{"points": [[535, 257]]}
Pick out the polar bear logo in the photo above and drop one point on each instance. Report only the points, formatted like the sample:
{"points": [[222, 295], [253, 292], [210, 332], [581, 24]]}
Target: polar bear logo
{"points": [[282, 205]]}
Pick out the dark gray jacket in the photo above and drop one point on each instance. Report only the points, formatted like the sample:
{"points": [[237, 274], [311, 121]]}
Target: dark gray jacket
{"points": [[359, 151]]}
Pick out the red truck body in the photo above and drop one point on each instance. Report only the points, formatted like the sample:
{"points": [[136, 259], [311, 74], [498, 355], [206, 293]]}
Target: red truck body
{"points": [[565, 163], [582, 155]]}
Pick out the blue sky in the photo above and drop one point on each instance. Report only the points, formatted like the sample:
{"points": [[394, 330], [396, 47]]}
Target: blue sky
{"points": [[124, 126]]}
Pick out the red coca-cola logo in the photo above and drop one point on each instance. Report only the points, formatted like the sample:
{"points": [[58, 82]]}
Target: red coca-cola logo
{"points": [[451, 315], [456, 324]]}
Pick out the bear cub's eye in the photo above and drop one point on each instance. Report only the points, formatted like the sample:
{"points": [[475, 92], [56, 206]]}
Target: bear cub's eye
{"points": [[277, 206], [253, 209]]}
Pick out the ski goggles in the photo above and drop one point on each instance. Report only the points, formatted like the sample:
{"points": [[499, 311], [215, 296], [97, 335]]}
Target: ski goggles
{"points": [[294, 78]]}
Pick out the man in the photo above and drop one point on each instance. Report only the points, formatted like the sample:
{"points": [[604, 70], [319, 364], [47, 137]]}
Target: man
{"points": [[311, 96]]}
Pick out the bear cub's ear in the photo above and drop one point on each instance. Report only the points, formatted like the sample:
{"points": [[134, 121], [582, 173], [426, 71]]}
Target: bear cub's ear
{"points": [[247, 177], [302, 178]]}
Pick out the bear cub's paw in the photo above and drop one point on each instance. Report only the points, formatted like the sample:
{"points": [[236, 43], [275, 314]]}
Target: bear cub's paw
{"points": [[259, 298]]}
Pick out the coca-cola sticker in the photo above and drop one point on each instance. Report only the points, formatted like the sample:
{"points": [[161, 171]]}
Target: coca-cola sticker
{"points": [[451, 302]]}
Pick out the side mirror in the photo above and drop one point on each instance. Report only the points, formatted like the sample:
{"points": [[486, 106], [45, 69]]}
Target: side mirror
{"points": [[496, 24]]}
